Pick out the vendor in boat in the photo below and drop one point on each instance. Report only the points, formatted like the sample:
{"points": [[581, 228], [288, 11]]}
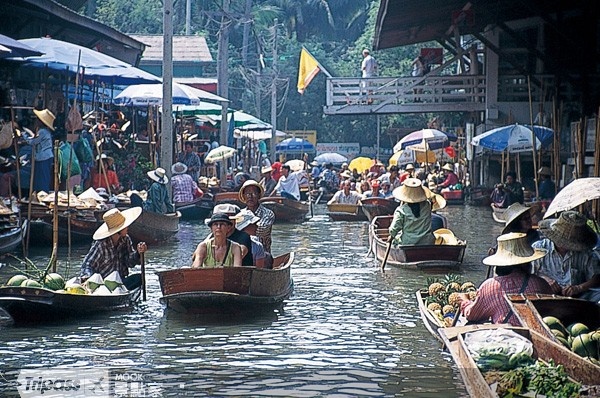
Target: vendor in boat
{"points": [[546, 188], [374, 192], [450, 177], [159, 199], [513, 263], [519, 219], [386, 191], [184, 188], [514, 188], [250, 194], [247, 221], [437, 203], [571, 267], [346, 195], [190, 158], [113, 249], [44, 154], [218, 250], [499, 197], [411, 224], [240, 237], [267, 182], [288, 185], [409, 172], [103, 175]]}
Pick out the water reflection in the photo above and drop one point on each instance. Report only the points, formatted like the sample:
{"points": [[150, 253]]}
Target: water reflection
{"points": [[348, 330]]}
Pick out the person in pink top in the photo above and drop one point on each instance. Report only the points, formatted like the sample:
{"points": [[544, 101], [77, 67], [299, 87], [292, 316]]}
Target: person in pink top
{"points": [[450, 177], [513, 263]]}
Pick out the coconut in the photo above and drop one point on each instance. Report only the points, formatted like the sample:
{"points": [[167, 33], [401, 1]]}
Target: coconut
{"points": [[113, 280], [120, 290], [575, 329], [54, 281], [30, 283], [102, 290], [94, 282], [16, 280]]}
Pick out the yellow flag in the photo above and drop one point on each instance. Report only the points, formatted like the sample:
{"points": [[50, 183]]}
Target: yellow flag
{"points": [[308, 69]]}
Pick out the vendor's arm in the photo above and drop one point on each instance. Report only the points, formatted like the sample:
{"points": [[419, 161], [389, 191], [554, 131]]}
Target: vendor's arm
{"points": [[576, 290], [397, 224], [481, 308], [200, 255]]}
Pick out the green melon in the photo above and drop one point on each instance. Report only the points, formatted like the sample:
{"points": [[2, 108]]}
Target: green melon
{"points": [[584, 346], [563, 341], [555, 324], [558, 333], [575, 329], [54, 281], [16, 280], [30, 283]]}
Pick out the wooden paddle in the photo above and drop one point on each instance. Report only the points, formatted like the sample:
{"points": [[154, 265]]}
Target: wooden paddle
{"points": [[143, 267], [387, 254]]}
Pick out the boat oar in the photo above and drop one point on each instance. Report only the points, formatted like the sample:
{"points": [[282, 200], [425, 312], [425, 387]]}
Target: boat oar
{"points": [[143, 267], [387, 254], [321, 192]]}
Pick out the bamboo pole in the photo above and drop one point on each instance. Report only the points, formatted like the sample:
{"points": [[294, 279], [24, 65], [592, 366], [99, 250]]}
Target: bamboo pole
{"points": [[15, 144], [55, 211], [533, 140], [30, 199]]}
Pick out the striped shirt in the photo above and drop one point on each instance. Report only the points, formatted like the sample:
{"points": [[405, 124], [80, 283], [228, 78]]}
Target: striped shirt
{"points": [[572, 269], [264, 226], [491, 301], [105, 257], [183, 188]]}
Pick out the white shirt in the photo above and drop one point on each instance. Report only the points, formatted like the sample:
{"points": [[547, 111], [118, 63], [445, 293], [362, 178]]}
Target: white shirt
{"points": [[340, 197], [368, 66], [291, 184]]}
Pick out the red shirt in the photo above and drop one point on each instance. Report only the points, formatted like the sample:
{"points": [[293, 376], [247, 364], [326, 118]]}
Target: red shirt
{"points": [[451, 179], [98, 180]]}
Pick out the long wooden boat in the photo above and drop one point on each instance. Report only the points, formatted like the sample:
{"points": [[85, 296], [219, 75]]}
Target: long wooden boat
{"points": [[81, 231], [153, 227], [229, 197], [454, 197], [430, 320], [198, 209], [413, 256], [373, 207], [227, 289], [545, 349], [530, 309], [498, 213], [345, 212], [31, 305], [11, 238], [286, 210]]}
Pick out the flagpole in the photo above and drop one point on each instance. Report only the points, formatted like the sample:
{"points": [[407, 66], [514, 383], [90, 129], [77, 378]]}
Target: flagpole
{"points": [[318, 63]]}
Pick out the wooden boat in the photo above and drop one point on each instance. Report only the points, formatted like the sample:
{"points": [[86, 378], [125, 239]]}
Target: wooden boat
{"points": [[227, 289], [198, 209], [432, 322], [229, 197], [81, 231], [345, 212], [29, 304], [454, 197], [153, 227], [498, 213], [530, 309], [414, 256], [373, 207], [286, 210], [11, 238], [545, 349]]}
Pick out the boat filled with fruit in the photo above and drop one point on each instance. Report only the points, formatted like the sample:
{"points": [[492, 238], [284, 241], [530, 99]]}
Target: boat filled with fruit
{"points": [[47, 297], [438, 302]]}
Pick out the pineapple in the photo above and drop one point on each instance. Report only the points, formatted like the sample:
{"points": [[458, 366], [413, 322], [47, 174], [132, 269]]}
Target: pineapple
{"points": [[467, 287], [454, 299], [435, 288], [472, 295], [453, 287], [434, 307], [447, 308]]}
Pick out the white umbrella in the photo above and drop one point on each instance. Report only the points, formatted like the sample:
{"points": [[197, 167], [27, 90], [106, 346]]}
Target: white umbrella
{"points": [[295, 164], [576, 193], [331, 157], [151, 94], [220, 153]]}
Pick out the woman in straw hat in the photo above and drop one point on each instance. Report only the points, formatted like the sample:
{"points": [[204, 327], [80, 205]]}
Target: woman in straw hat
{"points": [[450, 177], [182, 183], [267, 181], [513, 262], [113, 249], [250, 194], [411, 224], [218, 250], [519, 218], [159, 200], [571, 267], [43, 146]]}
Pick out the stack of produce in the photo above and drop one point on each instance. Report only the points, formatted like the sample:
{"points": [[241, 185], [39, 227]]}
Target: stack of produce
{"points": [[442, 296], [577, 337], [55, 282]]}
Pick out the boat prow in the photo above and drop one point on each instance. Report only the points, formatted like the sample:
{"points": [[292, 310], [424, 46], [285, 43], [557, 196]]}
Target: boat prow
{"points": [[286, 210]]}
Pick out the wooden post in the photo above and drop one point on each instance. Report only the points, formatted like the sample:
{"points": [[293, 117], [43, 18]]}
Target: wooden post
{"points": [[533, 140], [55, 210]]}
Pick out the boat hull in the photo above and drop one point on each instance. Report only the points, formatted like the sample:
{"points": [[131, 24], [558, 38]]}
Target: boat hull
{"points": [[11, 238], [286, 210], [498, 214], [345, 212], [229, 197], [431, 322], [228, 289], [373, 207], [198, 209], [153, 227], [81, 230], [413, 256], [38, 305]]}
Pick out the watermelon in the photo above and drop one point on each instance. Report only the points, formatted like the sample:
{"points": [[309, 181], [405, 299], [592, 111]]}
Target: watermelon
{"points": [[54, 281], [584, 346], [30, 283], [575, 329], [16, 280]]}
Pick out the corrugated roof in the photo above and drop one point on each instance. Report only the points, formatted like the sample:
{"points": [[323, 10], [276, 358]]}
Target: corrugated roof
{"points": [[185, 48]]}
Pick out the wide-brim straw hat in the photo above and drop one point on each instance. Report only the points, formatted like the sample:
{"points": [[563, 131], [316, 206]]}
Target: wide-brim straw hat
{"points": [[513, 249], [179, 168], [159, 175], [346, 174], [227, 208], [45, 117], [409, 167], [203, 180], [444, 236], [569, 231], [213, 182], [115, 221], [448, 167], [438, 202], [266, 170], [411, 191], [513, 212], [545, 171], [314, 163], [250, 183]]}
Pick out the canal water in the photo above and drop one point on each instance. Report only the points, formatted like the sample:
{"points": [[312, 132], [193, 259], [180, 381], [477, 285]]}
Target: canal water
{"points": [[349, 330]]}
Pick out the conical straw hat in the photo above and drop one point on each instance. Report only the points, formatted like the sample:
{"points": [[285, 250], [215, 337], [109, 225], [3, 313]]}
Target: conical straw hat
{"points": [[115, 221], [411, 191], [569, 231], [513, 249]]}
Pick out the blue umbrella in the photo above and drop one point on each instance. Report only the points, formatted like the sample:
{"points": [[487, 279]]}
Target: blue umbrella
{"points": [[513, 138], [294, 145], [62, 55], [16, 48]]}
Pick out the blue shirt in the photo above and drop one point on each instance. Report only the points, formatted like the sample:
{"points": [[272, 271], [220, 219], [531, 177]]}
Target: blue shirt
{"points": [[43, 145]]}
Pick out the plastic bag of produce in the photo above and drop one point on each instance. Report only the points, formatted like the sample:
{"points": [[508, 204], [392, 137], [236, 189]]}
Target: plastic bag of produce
{"points": [[499, 340]]}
